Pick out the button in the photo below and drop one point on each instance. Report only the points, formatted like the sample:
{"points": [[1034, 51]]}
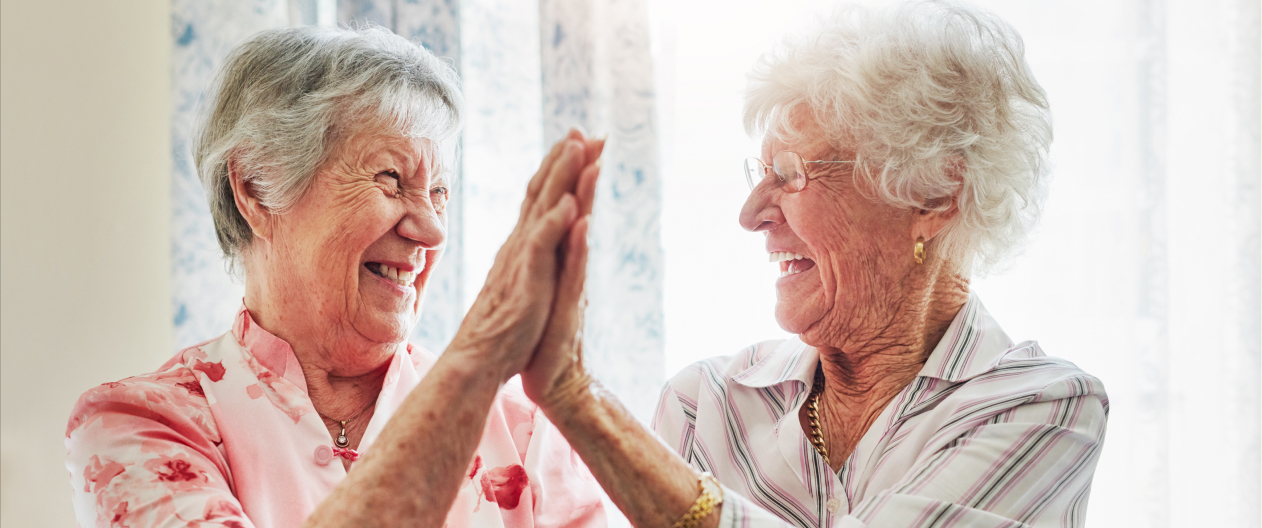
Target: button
{"points": [[323, 455], [834, 504]]}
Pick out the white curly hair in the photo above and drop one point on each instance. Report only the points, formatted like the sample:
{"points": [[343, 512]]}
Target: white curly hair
{"points": [[936, 100]]}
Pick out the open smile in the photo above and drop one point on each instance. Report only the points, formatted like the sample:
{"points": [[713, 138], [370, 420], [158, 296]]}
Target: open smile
{"points": [[385, 271], [791, 263]]}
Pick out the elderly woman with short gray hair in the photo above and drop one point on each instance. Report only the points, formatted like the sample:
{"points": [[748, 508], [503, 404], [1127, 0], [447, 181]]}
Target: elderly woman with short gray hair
{"points": [[903, 150], [326, 158]]}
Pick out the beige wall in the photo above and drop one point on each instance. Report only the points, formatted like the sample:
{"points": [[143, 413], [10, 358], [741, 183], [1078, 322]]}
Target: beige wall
{"points": [[84, 224]]}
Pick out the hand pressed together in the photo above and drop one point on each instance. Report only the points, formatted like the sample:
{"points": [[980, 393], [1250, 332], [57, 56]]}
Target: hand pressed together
{"points": [[543, 257]]}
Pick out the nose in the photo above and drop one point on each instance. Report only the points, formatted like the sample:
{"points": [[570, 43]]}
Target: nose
{"points": [[761, 211], [423, 224]]}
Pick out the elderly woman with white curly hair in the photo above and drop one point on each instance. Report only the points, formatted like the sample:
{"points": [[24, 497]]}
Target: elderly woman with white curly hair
{"points": [[904, 149], [325, 155]]}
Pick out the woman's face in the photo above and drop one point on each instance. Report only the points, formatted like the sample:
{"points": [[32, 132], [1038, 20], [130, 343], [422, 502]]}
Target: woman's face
{"points": [[352, 257], [856, 250]]}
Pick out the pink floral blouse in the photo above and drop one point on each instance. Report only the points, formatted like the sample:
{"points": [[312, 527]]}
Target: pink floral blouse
{"points": [[223, 435]]}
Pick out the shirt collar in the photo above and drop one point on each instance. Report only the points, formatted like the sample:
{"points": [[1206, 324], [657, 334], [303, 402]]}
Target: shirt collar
{"points": [[972, 344], [791, 360], [272, 352]]}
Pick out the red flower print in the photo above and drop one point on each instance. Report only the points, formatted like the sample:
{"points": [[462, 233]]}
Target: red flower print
{"points": [[504, 485], [217, 508], [176, 471], [193, 388], [214, 371], [99, 474], [475, 467], [120, 514]]}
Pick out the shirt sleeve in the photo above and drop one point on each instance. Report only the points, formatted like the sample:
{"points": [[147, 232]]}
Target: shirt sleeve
{"points": [[739, 512], [140, 455], [1030, 465], [674, 421]]}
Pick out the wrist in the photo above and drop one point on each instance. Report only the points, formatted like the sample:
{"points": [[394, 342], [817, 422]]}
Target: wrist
{"points": [[486, 356], [569, 396], [473, 364]]}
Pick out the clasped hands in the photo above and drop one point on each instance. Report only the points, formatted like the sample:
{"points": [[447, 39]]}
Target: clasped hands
{"points": [[528, 317]]}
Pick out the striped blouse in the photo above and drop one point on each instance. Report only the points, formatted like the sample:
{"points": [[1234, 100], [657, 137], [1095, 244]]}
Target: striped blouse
{"points": [[989, 434]]}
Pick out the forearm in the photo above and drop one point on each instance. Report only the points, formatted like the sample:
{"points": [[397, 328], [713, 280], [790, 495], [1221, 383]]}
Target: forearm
{"points": [[413, 472], [649, 483]]}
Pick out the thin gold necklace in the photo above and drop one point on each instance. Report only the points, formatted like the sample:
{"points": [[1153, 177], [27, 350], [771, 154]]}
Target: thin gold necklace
{"points": [[342, 441], [812, 412]]}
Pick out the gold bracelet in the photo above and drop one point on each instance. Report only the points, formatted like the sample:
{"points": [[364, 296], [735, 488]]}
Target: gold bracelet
{"points": [[711, 496]]}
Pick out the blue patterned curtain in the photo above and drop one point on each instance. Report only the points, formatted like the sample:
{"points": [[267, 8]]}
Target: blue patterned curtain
{"points": [[531, 71], [598, 73]]}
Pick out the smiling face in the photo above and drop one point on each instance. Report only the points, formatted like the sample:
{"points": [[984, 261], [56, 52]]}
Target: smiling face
{"points": [[347, 265], [843, 257]]}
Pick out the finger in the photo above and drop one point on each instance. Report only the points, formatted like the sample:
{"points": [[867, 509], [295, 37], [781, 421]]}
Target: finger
{"points": [[585, 191], [594, 148], [554, 225], [574, 272], [566, 316], [563, 176], [576, 133], [536, 181]]}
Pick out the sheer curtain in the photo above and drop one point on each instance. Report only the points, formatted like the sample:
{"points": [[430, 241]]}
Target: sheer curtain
{"points": [[1144, 272]]}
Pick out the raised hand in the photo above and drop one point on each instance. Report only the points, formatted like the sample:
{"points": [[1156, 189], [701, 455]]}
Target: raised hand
{"points": [[556, 371], [508, 317]]}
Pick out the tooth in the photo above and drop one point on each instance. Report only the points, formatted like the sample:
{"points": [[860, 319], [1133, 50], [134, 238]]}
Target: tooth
{"points": [[392, 272]]}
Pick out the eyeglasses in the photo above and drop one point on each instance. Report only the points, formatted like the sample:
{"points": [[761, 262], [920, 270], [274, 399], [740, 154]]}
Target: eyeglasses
{"points": [[788, 166]]}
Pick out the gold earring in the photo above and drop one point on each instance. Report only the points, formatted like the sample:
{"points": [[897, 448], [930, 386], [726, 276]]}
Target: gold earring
{"points": [[919, 252]]}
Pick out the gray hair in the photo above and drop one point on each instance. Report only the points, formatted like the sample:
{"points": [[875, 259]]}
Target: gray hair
{"points": [[919, 91], [284, 100]]}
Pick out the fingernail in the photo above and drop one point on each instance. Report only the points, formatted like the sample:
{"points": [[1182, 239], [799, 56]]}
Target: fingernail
{"points": [[599, 161]]}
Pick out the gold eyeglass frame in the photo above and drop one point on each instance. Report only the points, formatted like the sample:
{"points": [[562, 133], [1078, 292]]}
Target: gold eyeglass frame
{"points": [[797, 158]]}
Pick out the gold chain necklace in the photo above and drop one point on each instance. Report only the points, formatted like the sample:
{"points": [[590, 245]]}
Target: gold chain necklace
{"points": [[342, 441], [812, 412]]}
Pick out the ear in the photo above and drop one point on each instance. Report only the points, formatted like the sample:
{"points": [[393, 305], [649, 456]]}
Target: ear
{"points": [[931, 219], [247, 202], [929, 222]]}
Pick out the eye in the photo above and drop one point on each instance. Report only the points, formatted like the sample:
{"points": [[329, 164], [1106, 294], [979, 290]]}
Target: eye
{"points": [[439, 195], [389, 178]]}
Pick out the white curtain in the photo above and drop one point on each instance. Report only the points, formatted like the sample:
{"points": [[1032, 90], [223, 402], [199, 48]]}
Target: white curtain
{"points": [[1144, 272]]}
